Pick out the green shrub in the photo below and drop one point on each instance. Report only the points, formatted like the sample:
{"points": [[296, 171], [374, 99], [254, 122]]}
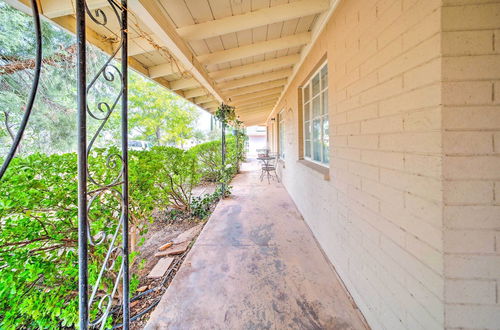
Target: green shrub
{"points": [[177, 175], [38, 221], [38, 241], [209, 159]]}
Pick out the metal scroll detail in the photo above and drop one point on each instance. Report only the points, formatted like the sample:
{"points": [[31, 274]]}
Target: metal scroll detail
{"points": [[34, 89], [102, 287]]}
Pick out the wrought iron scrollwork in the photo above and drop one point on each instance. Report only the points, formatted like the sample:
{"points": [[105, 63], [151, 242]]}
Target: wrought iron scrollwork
{"points": [[34, 89], [117, 186], [112, 187]]}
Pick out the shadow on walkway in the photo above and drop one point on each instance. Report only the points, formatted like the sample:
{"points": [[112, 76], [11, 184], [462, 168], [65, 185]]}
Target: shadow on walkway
{"points": [[256, 265]]}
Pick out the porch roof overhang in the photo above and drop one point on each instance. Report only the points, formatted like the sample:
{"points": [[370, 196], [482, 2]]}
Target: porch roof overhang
{"points": [[210, 51]]}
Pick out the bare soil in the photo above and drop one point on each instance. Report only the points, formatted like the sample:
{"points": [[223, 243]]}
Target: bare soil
{"points": [[161, 231]]}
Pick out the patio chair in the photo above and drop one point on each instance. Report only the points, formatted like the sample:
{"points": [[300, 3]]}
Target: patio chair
{"points": [[262, 153], [269, 167]]}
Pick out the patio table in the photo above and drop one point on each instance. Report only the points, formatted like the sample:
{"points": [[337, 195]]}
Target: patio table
{"points": [[268, 167]]}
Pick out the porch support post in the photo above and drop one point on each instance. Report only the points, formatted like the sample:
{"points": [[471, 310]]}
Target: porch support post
{"points": [[124, 127], [82, 166], [223, 143]]}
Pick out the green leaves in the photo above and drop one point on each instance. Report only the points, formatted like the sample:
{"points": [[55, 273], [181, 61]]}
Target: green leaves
{"points": [[159, 115], [225, 114], [209, 159], [37, 240], [38, 221]]}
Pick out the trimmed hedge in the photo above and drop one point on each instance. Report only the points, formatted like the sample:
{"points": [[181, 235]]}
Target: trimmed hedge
{"points": [[38, 221]]}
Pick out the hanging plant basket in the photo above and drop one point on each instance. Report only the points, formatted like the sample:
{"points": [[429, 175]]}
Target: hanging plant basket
{"points": [[225, 114]]}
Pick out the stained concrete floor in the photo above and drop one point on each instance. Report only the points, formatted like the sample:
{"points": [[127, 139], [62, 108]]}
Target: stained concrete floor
{"points": [[256, 265]]}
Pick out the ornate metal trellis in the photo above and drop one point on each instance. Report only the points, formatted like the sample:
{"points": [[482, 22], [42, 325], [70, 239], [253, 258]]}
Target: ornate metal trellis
{"points": [[95, 303]]}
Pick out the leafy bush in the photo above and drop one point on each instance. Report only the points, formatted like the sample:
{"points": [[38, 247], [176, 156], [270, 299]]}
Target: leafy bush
{"points": [[38, 221], [209, 159], [200, 205], [38, 240], [38, 226], [177, 175]]}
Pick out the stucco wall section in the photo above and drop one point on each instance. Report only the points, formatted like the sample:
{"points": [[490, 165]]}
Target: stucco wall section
{"points": [[379, 217], [471, 167]]}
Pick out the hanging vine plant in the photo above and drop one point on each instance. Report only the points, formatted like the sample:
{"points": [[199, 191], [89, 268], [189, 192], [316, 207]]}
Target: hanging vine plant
{"points": [[225, 114], [237, 124]]}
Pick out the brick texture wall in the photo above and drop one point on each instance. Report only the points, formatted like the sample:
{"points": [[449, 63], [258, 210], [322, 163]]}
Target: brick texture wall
{"points": [[409, 214], [471, 163]]}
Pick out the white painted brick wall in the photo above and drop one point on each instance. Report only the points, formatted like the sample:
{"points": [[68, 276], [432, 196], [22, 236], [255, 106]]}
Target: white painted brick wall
{"points": [[410, 216], [471, 164]]}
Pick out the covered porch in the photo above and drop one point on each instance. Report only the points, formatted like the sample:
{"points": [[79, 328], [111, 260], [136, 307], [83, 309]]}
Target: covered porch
{"points": [[385, 115], [256, 265]]}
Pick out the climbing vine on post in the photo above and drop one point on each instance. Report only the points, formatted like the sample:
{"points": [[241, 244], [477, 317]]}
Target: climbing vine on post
{"points": [[238, 127], [225, 114]]}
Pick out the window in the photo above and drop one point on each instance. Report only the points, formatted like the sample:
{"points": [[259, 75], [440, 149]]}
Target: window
{"points": [[281, 135], [315, 111]]}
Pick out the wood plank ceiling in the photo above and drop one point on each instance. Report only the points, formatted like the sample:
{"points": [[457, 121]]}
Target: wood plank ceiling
{"points": [[241, 52]]}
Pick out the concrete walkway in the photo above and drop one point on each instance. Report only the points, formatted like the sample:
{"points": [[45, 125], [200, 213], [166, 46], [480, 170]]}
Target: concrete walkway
{"points": [[256, 265]]}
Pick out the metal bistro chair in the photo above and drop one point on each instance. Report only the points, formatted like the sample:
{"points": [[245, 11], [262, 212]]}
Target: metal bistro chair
{"points": [[268, 167], [262, 153]]}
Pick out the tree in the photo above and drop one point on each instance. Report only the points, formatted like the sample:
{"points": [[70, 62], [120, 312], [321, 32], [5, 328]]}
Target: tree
{"points": [[159, 115], [155, 114], [51, 128]]}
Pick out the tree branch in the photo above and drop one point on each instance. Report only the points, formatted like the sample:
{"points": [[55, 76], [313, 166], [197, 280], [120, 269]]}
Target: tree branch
{"points": [[7, 125], [65, 55]]}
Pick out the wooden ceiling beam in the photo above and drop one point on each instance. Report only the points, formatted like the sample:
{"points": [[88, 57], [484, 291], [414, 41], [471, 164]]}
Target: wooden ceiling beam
{"points": [[258, 67], [255, 115], [257, 87], [153, 16], [254, 111], [58, 8], [210, 105], [258, 119], [259, 116], [163, 70], [185, 83], [256, 79], [203, 99], [272, 97], [254, 49], [256, 105], [257, 110], [255, 122], [251, 96], [195, 93], [138, 46], [253, 19]]}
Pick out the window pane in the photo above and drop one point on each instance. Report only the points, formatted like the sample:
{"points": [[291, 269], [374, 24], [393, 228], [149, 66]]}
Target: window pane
{"points": [[316, 132], [307, 129], [306, 111], [324, 77], [326, 141], [306, 93], [315, 85], [324, 106], [316, 107], [308, 148], [282, 137]]}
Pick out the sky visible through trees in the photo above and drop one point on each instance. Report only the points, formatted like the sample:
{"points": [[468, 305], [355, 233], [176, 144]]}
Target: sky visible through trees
{"points": [[155, 114]]}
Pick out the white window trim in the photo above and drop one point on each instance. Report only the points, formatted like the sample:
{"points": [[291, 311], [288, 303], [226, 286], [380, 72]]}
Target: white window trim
{"points": [[281, 128], [320, 93]]}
